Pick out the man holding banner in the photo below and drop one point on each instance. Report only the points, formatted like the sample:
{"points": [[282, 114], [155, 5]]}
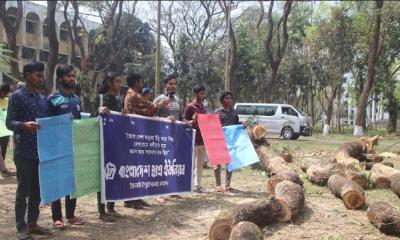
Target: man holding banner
{"points": [[228, 117], [26, 104], [61, 103], [190, 115]]}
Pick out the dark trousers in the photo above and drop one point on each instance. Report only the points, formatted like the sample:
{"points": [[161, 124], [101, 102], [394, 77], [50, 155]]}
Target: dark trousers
{"points": [[70, 205], [217, 173], [101, 206], [3, 145], [28, 192]]}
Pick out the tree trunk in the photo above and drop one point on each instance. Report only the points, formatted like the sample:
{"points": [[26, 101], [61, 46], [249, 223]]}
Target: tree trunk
{"points": [[384, 217], [329, 111], [382, 175], [53, 45], [349, 191], [276, 165], [260, 212], [392, 103], [307, 162], [272, 182], [11, 33], [319, 175], [246, 231], [373, 57], [291, 197]]}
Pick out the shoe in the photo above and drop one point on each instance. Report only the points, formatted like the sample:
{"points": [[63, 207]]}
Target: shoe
{"points": [[113, 213], [59, 224], [143, 203], [200, 189], [75, 221], [38, 230], [24, 235], [7, 174], [219, 189], [105, 217]]}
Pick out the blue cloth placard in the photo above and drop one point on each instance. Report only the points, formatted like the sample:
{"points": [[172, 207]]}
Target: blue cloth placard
{"points": [[56, 158], [240, 147]]}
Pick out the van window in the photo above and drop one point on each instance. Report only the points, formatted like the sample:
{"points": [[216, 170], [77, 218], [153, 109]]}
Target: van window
{"points": [[289, 111], [266, 110], [245, 110]]}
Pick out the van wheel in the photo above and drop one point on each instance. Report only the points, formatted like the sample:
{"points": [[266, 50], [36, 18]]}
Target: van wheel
{"points": [[287, 133]]}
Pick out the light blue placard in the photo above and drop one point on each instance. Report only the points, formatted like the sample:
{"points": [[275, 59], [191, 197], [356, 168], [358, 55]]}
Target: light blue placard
{"points": [[56, 158], [240, 147]]}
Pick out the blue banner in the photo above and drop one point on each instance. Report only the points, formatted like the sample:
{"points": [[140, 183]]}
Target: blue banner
{"points": [[144, 157], [240, 147], [56, 158]]}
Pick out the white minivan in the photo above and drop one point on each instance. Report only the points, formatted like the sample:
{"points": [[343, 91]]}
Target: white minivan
{"points": [[282, 119]]}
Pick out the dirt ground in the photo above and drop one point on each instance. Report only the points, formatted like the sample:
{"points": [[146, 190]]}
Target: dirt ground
{"points": [[324, 216]]}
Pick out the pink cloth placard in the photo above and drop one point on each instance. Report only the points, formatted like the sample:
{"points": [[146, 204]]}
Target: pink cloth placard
{"points": [[214, 139]]}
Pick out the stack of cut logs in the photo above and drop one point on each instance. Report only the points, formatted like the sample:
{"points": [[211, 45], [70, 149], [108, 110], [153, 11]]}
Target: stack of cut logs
{"points": [[346, 178], [284, 200]]}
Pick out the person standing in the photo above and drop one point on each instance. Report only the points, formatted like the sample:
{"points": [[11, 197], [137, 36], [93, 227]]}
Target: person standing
{"points": [[4, 92], [173, 110], [190, 116], [63, 102], [147, 93], [25, 105], [135, 103], [107, 101], [228, 117]]}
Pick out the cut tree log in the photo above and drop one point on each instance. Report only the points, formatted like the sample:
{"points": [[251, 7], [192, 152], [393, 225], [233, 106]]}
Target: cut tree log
{"points": [[275, 165], [368, 165], [260, 212], [291, 197], [389, 155], [381, 175], [395, 184], [319, 175], [259, 132], [384, 217], [272, 182], [349, 191], [307, 162], [246, 231], [287, 157]]}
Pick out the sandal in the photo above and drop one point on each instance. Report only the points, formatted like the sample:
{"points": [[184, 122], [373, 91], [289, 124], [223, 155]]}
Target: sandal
{"points": [[59, 224], [219, 189], [75, 221]]}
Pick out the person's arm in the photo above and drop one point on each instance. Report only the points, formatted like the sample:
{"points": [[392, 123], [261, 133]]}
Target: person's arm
{"points": [[11, 122]]}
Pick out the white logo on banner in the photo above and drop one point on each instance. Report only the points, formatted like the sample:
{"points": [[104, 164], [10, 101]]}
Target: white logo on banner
{"points": [[110, 171]]}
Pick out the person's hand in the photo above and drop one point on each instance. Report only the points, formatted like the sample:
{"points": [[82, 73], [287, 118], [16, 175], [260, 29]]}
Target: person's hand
{"points": [[189, 123], [245, 124], [195, 117], [163, 103], [104, 110], [172, 118], [30, 126]]}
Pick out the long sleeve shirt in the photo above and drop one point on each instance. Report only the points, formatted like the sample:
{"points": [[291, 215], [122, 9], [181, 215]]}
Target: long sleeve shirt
{"points": [[135, 103], [25, 106]]}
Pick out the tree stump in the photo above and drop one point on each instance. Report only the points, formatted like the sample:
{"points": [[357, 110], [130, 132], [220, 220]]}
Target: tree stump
{"points": [[272, 182], [246, 231], [349, 191], [384, 217]]}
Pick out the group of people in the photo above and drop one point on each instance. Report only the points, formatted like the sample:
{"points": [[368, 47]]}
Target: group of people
{"points": [[27, 103]]}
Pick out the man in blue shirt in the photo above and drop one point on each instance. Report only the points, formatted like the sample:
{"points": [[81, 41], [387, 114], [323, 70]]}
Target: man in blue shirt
{"points": [[25, 105], [63, 102]]}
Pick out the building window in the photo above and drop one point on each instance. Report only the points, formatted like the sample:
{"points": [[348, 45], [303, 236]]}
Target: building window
{"points": [[44, 56], [28, 53], [64, 35], [30, 27], [62, 59]]}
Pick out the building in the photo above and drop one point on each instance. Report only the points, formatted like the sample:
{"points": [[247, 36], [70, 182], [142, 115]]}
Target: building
{"points": [[32, 37]]}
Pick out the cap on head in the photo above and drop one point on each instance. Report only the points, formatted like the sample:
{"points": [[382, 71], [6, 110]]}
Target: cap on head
{"points": [[146, 91]]}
